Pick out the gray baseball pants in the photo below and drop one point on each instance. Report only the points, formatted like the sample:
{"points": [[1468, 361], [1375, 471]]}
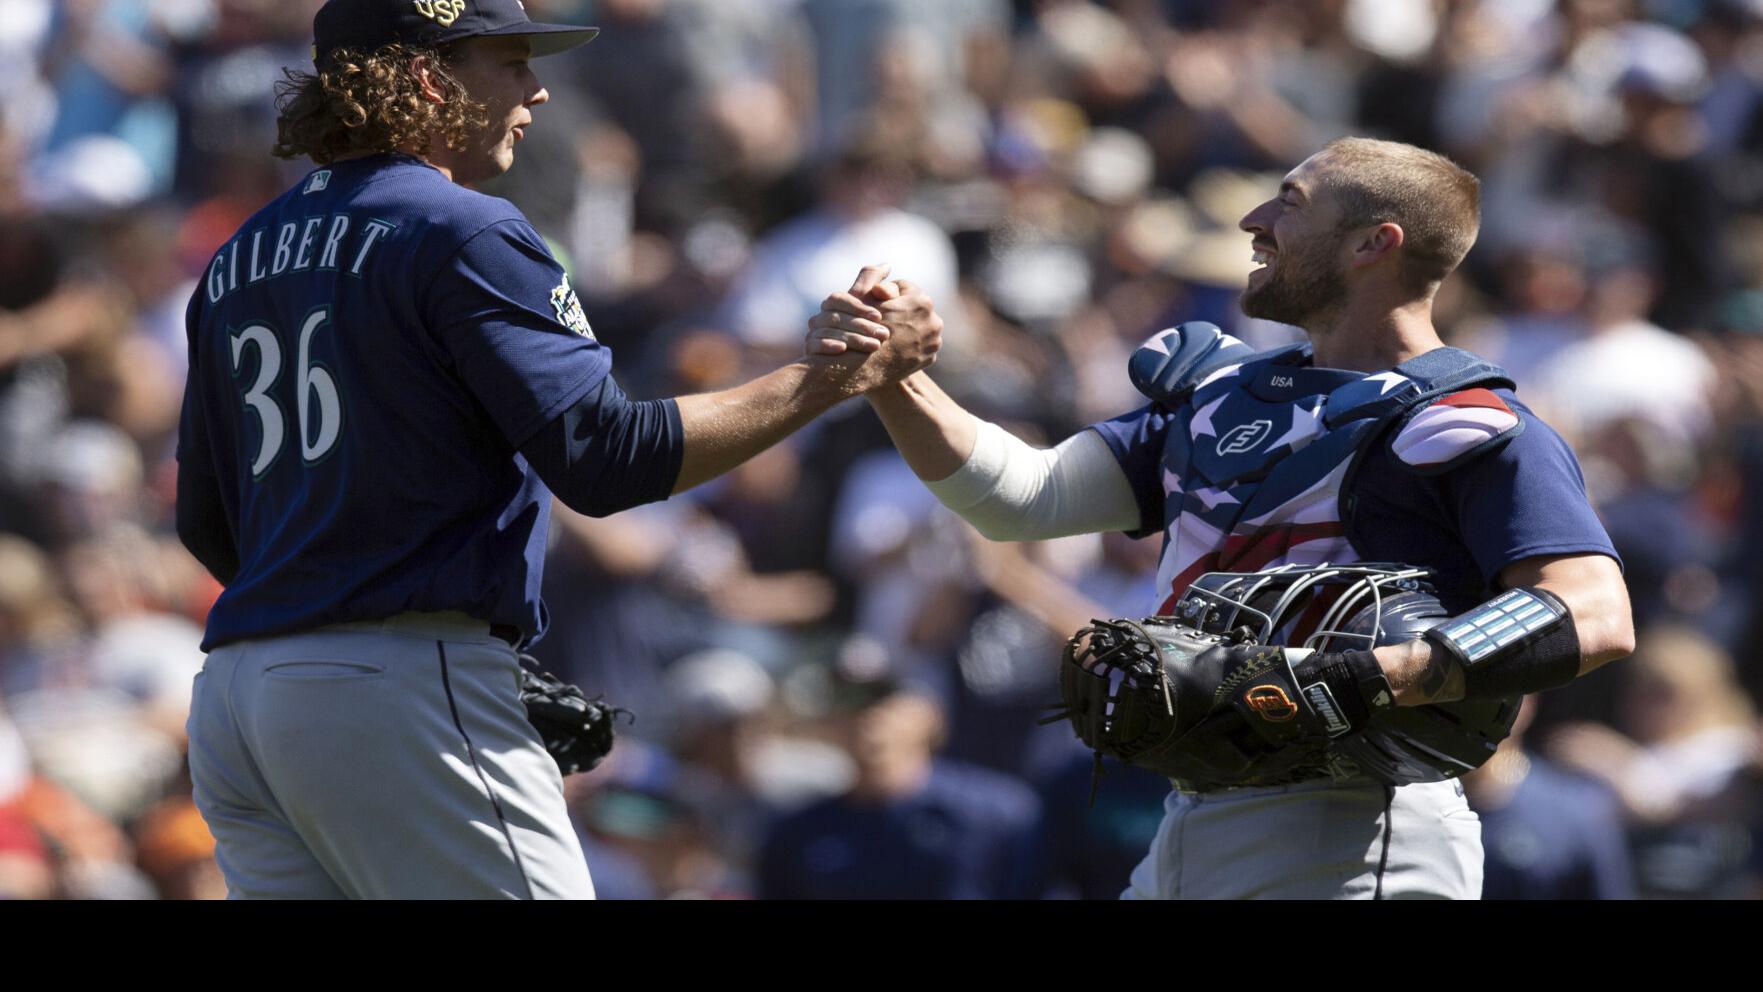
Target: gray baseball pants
{"points": [[1314, 840], [390, 759]]}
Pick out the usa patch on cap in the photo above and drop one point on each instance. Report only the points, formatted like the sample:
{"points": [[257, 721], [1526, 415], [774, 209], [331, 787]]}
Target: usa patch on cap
{"points": [[1454, 429]]}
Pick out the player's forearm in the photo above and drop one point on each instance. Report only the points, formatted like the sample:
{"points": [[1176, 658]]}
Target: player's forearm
{"points": [[1415, 670], [1590, 587], [932, 432], [724, 429]]}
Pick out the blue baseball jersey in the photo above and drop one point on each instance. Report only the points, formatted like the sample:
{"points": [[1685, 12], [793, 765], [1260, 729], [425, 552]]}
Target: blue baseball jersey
{"points": [[1247, 474], [367, 355]]}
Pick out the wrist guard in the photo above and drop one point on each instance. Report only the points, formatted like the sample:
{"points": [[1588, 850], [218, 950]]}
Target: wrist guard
{"points": [[1519, 642]]}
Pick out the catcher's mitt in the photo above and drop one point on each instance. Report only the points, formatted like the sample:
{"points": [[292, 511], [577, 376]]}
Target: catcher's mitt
{"points": [[1165, 696], [577, 731], [1207, 697]]}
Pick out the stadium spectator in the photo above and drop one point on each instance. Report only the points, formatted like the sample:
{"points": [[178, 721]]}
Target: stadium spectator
{"points": [[1547, 834], [1678, 762], [912, 826]]}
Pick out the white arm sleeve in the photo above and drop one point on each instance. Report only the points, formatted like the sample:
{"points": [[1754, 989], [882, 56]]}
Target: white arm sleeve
{"points": [[1011, 491]]}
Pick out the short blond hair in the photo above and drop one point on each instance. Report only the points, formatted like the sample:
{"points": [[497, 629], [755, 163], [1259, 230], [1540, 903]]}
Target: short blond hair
{"points": [[1436, 202]]}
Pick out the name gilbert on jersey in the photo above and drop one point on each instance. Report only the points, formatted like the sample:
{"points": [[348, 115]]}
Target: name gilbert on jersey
{"points": [[324, 242]]}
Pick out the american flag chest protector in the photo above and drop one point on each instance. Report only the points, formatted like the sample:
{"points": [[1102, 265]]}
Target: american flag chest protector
{"points": [[1258, 462]]}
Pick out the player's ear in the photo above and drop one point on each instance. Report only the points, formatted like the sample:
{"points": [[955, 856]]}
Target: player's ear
{"points": [[427, 79], [1374, 243]]}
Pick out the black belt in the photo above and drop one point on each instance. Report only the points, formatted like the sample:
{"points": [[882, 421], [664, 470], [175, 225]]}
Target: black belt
{"points": [[507, 632]]}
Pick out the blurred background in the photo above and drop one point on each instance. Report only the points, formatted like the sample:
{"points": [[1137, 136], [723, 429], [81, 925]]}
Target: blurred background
{"points": [[836, 684]]}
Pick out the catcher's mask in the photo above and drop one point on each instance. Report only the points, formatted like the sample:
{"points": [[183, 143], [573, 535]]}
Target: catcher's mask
{"points": [[1325, 607], [1348, 608]]}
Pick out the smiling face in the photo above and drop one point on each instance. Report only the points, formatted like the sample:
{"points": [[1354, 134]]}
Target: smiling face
{"points": [[1298, 241], [494, 72]]}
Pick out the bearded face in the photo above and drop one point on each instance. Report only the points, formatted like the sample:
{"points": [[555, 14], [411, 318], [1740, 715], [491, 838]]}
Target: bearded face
{"points": [[1299, 281]]}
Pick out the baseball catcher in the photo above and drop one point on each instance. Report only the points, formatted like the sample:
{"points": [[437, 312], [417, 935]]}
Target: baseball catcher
{"points": [[1371, 441], [1209, 698]]}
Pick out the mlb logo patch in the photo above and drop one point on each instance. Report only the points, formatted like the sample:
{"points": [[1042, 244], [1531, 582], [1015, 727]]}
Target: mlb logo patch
{"points": [[569, 309], [319, 180]]}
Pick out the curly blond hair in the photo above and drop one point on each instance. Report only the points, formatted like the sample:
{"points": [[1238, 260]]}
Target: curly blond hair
{"points": [[371, 102]]}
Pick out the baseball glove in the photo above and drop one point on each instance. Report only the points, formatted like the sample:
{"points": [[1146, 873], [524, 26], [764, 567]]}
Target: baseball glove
{"points": [[1207, 710], [577, 731]]}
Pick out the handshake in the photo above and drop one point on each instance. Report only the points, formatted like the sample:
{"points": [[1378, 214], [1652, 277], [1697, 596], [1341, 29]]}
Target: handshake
{"points": [[874, 334]]}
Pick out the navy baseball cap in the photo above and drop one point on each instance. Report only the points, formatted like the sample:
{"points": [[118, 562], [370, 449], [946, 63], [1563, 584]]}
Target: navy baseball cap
{"points": [[368, 25]]}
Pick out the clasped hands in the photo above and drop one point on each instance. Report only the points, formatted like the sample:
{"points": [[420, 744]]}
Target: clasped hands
{"points": [[877, 332]]}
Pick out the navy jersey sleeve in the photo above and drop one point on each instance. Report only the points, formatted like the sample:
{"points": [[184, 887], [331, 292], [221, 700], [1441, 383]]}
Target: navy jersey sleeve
{"points": [[1136, 439], [507, 318], [608, 453], [1526, 499]]}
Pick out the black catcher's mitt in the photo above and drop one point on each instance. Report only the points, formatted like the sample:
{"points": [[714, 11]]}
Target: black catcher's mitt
{"points": [[1207, 697], [577, 731], [1207, 710]]}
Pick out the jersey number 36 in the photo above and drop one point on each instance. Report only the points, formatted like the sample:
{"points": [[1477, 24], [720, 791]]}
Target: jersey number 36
{"points": [[318, 407]]}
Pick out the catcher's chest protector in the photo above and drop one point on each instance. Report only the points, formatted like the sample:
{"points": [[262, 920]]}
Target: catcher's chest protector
{"points": [[1258, 461]]}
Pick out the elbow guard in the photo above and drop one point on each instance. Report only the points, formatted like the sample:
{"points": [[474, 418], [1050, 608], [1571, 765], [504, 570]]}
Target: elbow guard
{"points": [[1519, 642]]}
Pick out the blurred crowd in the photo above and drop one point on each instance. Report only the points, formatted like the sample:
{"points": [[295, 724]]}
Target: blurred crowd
{"points": [[836, 684]]}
